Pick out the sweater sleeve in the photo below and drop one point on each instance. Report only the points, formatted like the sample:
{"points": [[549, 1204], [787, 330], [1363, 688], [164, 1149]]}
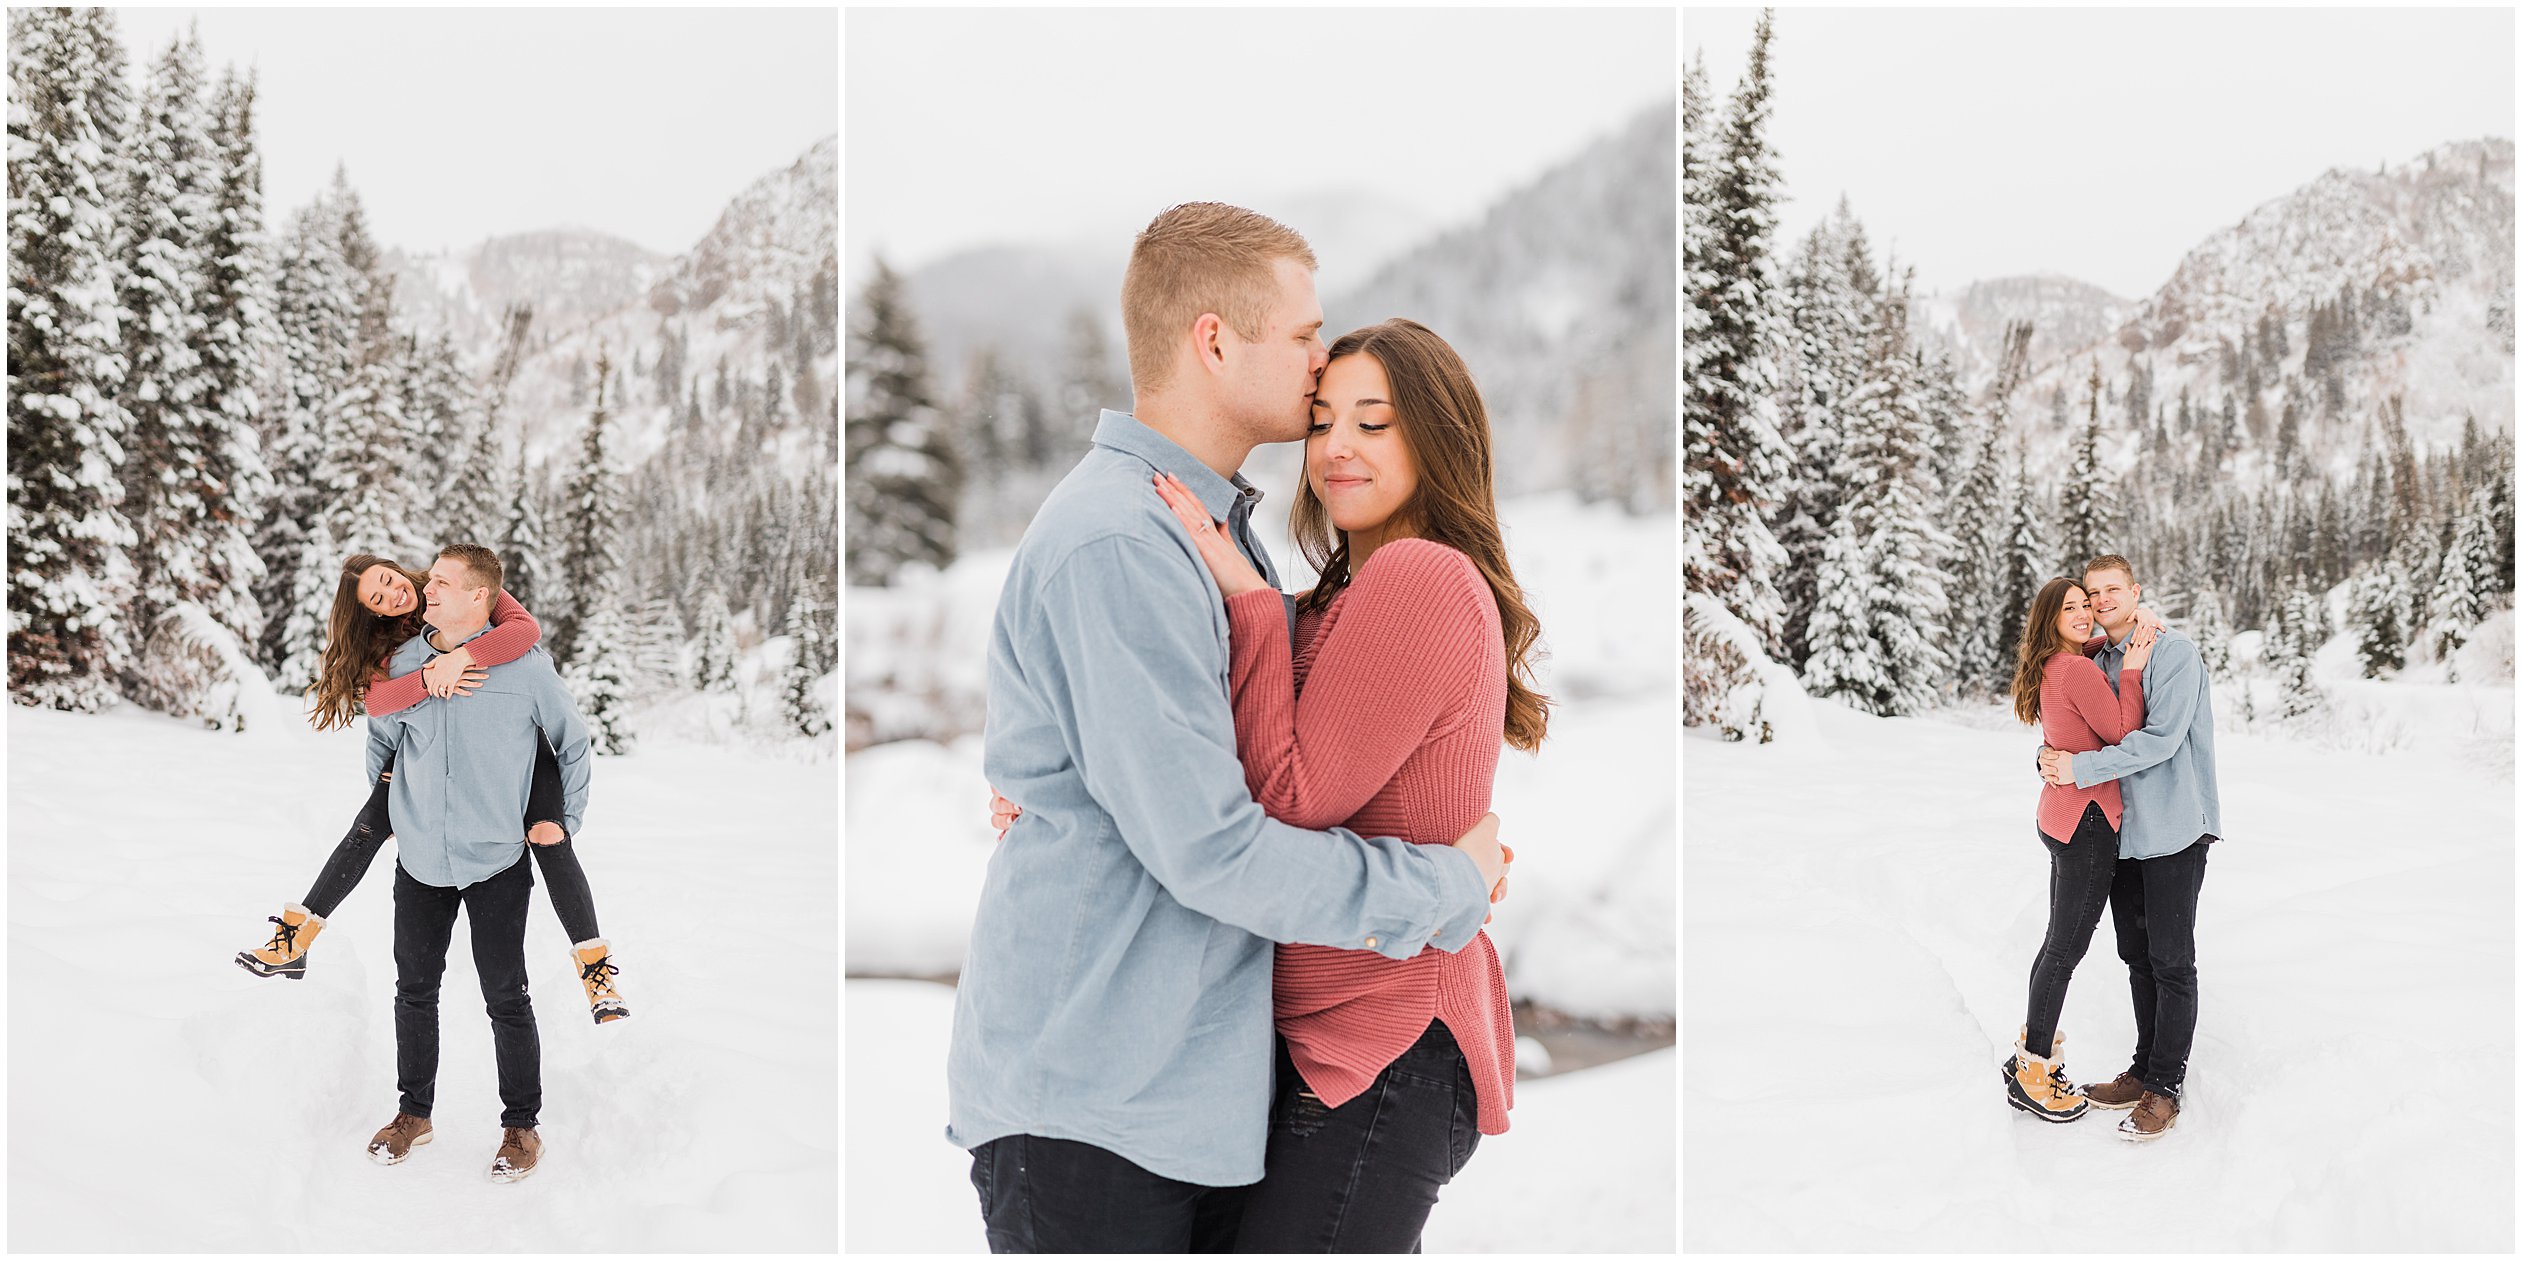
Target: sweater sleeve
{"points": [[2088, 693], [1416, 613], [512, 631]]}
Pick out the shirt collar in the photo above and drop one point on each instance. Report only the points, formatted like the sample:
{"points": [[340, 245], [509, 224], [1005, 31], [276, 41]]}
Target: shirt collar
{"points": [[1130, 436], [428, 638]]}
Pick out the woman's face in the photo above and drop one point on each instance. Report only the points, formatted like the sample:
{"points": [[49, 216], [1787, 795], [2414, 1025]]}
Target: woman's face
{"points": [[1355, 460], [2075, 618], [386, 592]]}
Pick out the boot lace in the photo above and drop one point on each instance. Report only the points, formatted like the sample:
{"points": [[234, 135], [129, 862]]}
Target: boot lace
{"points": [[595, 975], [284, 940]]}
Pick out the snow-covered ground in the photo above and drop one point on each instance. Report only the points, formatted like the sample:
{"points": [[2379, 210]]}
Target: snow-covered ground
{"points": [[1587, 1168], [1861, 911], [161, 1099]]}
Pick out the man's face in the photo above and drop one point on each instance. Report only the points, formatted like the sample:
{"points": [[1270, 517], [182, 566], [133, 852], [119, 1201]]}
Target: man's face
{"points": [[1269, 383], [453, 601], [2114, 593]]}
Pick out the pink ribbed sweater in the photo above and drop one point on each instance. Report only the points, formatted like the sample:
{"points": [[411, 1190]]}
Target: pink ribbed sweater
{"points": [[2078, 714], [1388, 722]]}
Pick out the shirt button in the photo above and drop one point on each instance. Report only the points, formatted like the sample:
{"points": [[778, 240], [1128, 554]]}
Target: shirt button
{"points": [[1370, 943]]}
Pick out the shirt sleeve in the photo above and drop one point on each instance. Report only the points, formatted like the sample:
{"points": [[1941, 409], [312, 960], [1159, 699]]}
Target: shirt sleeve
{"points": [[1369, 701], [2089, 695], [2180, 679], [557, 715], [380, 746], [1127, 633]]}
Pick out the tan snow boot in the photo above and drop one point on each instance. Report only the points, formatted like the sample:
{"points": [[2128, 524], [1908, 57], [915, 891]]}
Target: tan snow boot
{"points": [[2040, 1086], [594, 958], [285, 953]]}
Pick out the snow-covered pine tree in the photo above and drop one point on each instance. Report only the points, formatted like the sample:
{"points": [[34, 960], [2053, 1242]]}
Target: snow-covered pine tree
{"points": [[300, 624], [1886, 463], [1847, 661], [800, 699], [601, 671], [1732, 453], [360, 477], [590, 553], [2214, 635], [1983, 644], [318, 319], [658, 645], [69, 573], [714, 646], [167, 210], [522, 550], [2088, 516], [2031, 555], [240, 350], [1828, 303], [2306, 627], [2373, 617], [2466, 578], [905, 476]]}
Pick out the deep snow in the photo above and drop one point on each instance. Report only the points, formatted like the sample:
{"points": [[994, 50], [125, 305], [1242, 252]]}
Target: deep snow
{"points": [[1860, 914], [163, 1099]]}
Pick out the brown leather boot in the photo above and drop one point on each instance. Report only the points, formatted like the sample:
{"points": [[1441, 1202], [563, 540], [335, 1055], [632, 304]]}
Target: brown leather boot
{"points": [[519, 1150], [285, 953], [2153, 1118], [2118, 1094], [395, 1142]]}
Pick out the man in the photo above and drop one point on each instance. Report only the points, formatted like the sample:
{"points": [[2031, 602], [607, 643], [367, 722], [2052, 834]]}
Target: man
{"points": [[1111, 1064], [2170, 818], [463, 774]]}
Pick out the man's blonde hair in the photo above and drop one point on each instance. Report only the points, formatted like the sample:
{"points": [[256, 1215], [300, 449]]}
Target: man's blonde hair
{"points": [[1194, 259]]}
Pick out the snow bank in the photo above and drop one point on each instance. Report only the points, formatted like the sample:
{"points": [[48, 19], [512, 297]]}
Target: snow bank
{"points": [[1581, 1171], [145, 852], [1859, 928]]}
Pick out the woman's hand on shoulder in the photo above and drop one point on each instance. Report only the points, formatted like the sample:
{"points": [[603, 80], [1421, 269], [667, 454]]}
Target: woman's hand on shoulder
{"points": [[1235, 575], [453, 675], [2140, 647]]}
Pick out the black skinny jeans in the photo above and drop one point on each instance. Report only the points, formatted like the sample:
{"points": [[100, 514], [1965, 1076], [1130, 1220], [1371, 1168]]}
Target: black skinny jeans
{"points": [[424, 921], [2080, 873], [2154, 907], [571, 898], [1059, 1195], [1363, 1176]]}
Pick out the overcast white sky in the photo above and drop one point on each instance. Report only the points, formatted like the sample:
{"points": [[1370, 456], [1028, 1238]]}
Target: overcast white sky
{"points": [[969, 127], [2102, 144], [458, 124]]}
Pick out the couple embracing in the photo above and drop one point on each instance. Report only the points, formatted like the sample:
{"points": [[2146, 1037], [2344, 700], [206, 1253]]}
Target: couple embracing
{"points": [[2127, 812], [1227, 988]]}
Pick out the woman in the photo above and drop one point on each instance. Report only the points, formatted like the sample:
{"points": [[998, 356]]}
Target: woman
{"points": [[377, 606], [1410, 662], [2060, 688]]}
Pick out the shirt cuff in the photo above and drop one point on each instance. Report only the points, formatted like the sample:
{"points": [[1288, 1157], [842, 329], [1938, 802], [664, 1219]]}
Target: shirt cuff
{"points": [[1465, 899]]}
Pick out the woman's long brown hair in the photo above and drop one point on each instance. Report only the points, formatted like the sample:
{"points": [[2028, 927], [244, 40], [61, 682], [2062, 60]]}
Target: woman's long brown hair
{"points": [[357, 642], [2041, 641], [1446, 429]]}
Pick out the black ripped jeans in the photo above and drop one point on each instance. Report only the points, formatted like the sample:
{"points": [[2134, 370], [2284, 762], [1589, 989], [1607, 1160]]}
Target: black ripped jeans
{"points": [[566, 881], [1363, 1176], [2079, 886]]}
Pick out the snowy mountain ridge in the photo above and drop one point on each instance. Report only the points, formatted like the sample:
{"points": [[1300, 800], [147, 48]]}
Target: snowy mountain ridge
{"points": [[776, 243]]}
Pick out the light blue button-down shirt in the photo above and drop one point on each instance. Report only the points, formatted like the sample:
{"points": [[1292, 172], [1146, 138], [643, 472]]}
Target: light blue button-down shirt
{"points": [[2167, 768], [464, 766], [1117, 988]]}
